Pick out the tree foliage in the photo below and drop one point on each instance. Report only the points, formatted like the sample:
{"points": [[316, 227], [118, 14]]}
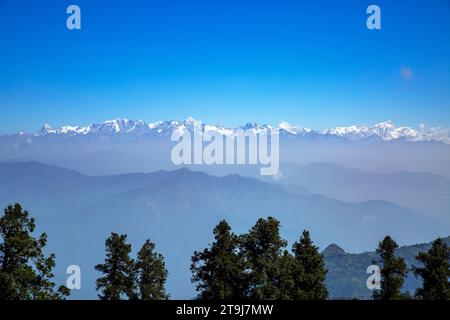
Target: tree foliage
{"points": [[309, 271], [255, 265], [393, 271], [151, 273], [435, 272], [219, 271], [25, 272], [263, 247], [118, 270]]}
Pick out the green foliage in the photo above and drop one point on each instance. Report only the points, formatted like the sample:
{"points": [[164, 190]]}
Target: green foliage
{"points": [[309, 271], [151, 273], [118, 270], [123, 277], [346, 277], [285, 277], [256, 266], [251, 266], [219, 270], [435, 272], [25, 273], [262, 247], [393, 271]]}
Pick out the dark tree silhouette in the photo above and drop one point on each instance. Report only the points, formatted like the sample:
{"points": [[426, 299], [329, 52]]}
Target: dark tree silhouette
{"points": [[263, 247], [393, 272], [218, 271], [151, 273], [309, 271], [434, 273], [25, 273], [118, 269]]}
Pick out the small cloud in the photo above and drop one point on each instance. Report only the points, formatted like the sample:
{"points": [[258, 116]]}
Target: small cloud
{"points": [[406, 73]]}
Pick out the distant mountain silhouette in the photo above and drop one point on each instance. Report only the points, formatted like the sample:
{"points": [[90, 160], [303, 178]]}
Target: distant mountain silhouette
{"points": [[347, 275], [178, 210], [422, 192]]}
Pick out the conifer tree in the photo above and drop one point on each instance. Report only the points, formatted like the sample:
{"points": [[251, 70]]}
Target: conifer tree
{"points": [[309, 271], [284, 277], [393, 271], [118, 270], [434, 273], [218, 271], [151, 273], [263, 250], [25, 273]]}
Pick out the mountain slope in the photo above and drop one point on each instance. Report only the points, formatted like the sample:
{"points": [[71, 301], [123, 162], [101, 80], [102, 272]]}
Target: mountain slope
{"points": [[347, 275], [125, 146], [178, 209], [423, 192]]}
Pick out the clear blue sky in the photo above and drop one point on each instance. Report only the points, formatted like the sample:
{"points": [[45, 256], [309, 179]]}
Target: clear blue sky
{"points": [[312, 63]]}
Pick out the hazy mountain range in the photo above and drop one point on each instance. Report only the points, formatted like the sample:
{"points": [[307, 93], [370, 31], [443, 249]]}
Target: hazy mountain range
{"points": [[126, 146], [178, 210], [139, 128], [346, 277], [422, 192], [347, 185]]}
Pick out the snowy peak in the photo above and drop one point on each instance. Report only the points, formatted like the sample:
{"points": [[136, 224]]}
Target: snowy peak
{"points": [[389, 131], [46, 129], [64, 130], [381, 131], [117, 126], [291, 129], [250, 125]]}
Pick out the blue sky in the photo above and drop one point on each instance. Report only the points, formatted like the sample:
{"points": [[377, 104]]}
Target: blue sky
{"points": [[312, 63]]}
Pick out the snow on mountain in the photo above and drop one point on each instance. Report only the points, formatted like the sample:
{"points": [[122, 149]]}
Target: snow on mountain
{"points": [[287, 128], [383, 131], [65, 130], [389, 131]]}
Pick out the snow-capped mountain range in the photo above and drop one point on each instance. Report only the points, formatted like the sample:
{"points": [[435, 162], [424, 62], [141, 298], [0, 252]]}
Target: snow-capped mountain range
{"points": [[383, 131]]}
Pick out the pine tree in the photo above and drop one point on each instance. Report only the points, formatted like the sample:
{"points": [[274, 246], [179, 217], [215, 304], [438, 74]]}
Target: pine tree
{"points": [[309, 271], [118, 269], [284, 276], [151, 273], [218, 271], [25, 273], [263, 249], [393, 271], [435, 272]]}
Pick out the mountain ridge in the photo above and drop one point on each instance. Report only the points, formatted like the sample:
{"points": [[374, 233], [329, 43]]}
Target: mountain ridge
{"points": [[385, 131], [424, 192], [178, 209], [346, 277]]}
